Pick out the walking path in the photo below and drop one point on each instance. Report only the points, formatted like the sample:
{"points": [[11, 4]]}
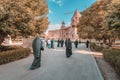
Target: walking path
{"points": [[54, 66]]}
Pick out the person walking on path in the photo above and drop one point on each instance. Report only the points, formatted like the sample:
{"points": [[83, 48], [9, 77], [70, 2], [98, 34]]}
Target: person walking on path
{"points": [[58, 43], [62, 42], [46, 43], [76, 43], [52, 43], [68, 45], [49, 43], [87, 44], [37, 47]]}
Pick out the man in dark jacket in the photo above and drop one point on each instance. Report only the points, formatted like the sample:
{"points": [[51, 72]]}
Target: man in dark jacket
{"points": [[68, 45], [62, 42], [52, 43], [37, 47], [76, 43], [58, 43]]}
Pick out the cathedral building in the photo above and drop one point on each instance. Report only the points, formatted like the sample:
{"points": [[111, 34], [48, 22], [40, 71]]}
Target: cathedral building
{"points": [[66, 32]]}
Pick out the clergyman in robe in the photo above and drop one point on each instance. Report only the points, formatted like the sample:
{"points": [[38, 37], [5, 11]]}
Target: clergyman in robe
{"points": [[68, 45], [37, 47], [87, 44], [76, 43]]}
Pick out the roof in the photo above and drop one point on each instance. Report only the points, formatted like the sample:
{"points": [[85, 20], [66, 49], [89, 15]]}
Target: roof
{"points": [[59, 29], [76, 14]]}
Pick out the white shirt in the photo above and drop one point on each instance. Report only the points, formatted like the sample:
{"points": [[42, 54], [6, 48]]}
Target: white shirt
{"points": [[48, 41]]}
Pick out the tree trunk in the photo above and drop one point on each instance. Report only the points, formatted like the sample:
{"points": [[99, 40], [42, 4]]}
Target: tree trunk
{"points": [[104, 41], [109, 42], [113, 41], [2, 37]]}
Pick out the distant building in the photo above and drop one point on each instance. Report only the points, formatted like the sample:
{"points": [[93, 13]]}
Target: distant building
{"points": [[66, 32]]}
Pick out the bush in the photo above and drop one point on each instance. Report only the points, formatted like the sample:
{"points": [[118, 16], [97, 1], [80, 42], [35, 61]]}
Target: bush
{"points": [[6, 48], [113, 57], [95, 47], [14, 54]]}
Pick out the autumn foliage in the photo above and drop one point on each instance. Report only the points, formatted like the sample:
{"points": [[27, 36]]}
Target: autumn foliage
{"points": [[101, 21], [22, 17]]}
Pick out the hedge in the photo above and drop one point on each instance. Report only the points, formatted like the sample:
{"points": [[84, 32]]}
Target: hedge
{"points": [[7, 48], [94, 47], [113, 57], [14, 54]]}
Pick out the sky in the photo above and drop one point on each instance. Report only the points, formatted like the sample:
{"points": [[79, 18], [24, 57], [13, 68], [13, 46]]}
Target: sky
{"points": [[59, 8]]}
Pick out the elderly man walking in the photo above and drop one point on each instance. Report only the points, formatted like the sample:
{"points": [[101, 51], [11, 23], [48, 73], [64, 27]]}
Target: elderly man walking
{"points": [[37, 47]]}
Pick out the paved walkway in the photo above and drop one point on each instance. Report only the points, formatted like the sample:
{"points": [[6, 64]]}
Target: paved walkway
{"points": [[54, 66]]}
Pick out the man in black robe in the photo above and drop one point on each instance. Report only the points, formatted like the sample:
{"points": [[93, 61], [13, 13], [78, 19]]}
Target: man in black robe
{"points": [[68, 45], [37, 47], [87, 44], [76, 43]]}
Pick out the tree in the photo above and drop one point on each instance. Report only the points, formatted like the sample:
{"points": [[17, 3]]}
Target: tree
{"points": [[92, 17], [22, 17], [111, 22], [104, 18]]}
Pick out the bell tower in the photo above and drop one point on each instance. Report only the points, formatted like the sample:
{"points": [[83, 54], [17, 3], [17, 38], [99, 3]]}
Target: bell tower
{"points": [[75, 18], [63, 25]]}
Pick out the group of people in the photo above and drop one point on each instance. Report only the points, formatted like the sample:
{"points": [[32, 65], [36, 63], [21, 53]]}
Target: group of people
{"points": [[37, 47], [60, 43], [50, 43]]}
